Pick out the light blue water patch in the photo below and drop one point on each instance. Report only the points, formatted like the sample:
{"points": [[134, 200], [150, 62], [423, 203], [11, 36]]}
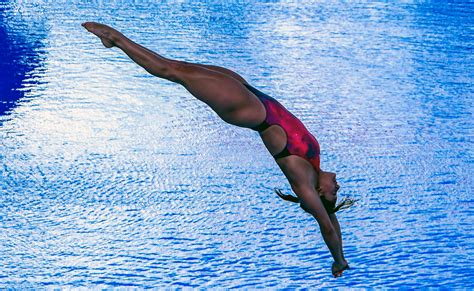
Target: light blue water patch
{"points": [[112, 177]]}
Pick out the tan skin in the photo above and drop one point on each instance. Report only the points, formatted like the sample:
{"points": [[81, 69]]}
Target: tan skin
{"points": [[224, 92]]}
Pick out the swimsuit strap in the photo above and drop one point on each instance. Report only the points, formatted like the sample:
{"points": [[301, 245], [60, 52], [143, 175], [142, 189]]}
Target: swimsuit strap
{"points": [[262, 126], [284, 153]]}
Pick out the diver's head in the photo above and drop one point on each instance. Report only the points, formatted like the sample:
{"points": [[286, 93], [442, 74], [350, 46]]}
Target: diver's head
{"points": [[327, 186]]}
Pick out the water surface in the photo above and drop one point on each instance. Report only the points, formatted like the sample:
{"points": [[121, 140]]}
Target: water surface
{"points": [[111, 177]]}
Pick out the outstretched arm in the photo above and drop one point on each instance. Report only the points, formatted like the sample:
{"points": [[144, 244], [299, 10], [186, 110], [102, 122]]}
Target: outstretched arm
{"points": [[311, 202], [337, 268], [332, 216], [337, 227]]}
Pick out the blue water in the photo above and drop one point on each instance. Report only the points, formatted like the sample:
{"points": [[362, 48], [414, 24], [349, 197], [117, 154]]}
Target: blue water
{"points": [[111, 177]]}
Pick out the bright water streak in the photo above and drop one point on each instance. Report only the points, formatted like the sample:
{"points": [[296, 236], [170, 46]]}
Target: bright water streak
{"points": [[111, 177]]}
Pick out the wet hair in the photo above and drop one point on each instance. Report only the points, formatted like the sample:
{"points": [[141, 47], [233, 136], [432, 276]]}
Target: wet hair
{"points": [[331, 206]]}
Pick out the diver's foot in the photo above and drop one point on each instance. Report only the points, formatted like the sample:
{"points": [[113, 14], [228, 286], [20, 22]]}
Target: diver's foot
{"points": [[107, 35]]}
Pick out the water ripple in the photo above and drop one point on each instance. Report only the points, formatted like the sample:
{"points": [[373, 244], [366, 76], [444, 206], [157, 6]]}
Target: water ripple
{"points": [[113, 178]]}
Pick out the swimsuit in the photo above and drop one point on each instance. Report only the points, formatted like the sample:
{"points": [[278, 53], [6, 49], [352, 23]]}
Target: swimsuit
{"points": [[300, 141]]}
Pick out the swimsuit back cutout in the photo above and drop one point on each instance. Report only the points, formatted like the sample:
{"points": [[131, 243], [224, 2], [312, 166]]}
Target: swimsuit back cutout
{"points": [[300, 141]]}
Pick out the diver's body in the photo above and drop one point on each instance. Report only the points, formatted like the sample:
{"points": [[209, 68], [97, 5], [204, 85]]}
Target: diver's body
{"points": [[236, 102]]}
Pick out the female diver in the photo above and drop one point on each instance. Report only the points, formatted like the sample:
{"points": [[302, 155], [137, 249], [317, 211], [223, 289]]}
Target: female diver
{"points": [[295, 150]]}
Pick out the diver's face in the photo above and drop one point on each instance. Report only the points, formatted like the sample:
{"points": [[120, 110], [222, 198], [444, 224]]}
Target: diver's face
{"points": [[327, 186]]}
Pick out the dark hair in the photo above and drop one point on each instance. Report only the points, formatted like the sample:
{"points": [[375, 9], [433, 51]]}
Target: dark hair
{"points": [[331, 206]]}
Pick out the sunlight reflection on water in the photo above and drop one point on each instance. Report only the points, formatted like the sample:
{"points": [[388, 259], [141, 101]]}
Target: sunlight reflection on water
{"points": [[111, 177]]}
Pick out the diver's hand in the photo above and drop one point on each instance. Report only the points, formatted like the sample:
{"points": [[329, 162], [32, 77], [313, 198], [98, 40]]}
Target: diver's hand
{"points": [[337, 268]]}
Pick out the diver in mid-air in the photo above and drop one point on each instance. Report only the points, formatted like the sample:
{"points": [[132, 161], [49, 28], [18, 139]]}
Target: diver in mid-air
{"points": [[295, 149]]}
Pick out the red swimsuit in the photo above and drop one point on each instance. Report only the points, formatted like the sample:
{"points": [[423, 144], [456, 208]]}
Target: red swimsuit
{"points": [[300, 141]]}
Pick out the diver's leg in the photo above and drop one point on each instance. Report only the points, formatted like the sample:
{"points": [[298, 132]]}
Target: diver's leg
{"points": [[219, 69], [224, 94], [226, 72]]}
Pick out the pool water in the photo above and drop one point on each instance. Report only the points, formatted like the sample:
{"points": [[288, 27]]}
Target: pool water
{"points": [[112, 177]]}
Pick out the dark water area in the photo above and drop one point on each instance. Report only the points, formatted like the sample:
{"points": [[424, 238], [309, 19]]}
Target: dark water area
{"points": [[110, 177], [22, 42]]}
